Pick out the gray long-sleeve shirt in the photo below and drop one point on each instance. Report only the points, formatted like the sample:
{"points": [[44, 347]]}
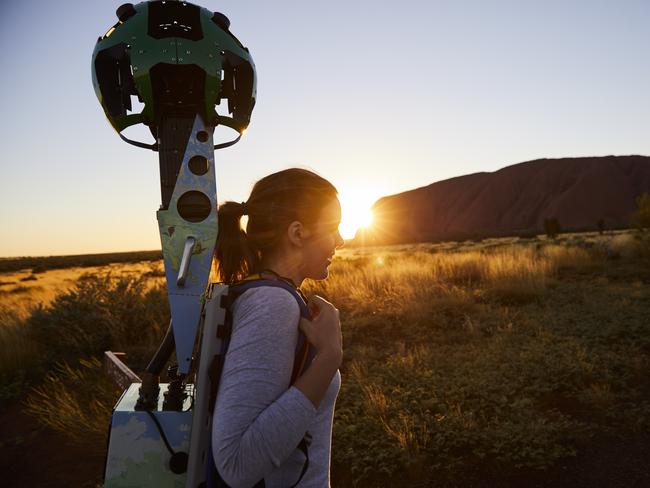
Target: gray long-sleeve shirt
{"points": [[258, 418]]}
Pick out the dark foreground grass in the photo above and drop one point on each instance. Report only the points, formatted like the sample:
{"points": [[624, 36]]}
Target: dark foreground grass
{"points": [[506, 392]]}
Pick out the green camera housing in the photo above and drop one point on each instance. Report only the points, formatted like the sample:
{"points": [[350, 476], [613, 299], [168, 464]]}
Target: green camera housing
{"points": [[178, 59]]}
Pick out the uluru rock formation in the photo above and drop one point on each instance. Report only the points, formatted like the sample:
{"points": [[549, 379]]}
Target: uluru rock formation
{"points": [[514, 200]]}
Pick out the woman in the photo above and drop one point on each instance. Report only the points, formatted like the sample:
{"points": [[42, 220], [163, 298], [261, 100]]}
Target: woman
{"points": [[260, 418]]}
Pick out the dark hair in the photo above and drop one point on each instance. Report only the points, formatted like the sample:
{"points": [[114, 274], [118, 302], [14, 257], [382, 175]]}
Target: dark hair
{"points": [[276, 200]]}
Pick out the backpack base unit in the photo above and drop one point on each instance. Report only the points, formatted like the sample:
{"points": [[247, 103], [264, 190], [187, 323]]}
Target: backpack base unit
{"points": [[137, 451]]}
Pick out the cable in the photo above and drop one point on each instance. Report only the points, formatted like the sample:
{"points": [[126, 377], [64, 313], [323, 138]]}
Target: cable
{"points": [[160, 431], [177, 460], [227, 144]]}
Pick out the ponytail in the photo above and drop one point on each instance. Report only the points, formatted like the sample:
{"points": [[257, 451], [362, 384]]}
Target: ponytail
{"points": [[236, 257]]}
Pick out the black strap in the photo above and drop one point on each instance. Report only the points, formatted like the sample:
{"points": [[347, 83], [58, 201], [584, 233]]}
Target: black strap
{"points": [[227, 144], [143, 145], [155, 146]]}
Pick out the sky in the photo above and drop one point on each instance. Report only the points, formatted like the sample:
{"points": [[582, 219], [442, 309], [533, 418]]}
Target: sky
{"points": [[379, 97]]}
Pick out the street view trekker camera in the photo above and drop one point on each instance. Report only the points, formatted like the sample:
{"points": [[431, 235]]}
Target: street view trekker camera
{"points": [[177, 62]]}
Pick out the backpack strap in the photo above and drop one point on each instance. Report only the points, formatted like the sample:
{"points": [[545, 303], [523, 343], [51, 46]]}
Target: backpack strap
{"points": [[303, 357], [304, 354]]}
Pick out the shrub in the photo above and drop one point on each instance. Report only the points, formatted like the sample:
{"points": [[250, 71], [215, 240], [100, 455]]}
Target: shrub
{"points": [[552, 227], [102, 313], [641, 217], [18, 355]]}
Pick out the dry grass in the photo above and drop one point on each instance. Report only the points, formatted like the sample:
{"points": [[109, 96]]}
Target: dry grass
{"points": [[71, 400], [395, 279]]}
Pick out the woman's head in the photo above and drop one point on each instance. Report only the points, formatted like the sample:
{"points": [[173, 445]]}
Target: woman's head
{"points": [[291, 211]]}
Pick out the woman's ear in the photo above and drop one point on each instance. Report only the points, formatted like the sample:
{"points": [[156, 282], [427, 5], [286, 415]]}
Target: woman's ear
{"points": [[296, 233]]}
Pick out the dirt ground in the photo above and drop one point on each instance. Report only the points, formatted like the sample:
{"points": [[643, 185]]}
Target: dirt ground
{"points": [[35, 456], [607, 463]]}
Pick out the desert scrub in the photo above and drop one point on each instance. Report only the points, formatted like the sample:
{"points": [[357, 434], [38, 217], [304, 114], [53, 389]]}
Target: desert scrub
{"points": [[18, 353], [76, 401], [391, 281], [102, 313], [562, 257], [17, 347]]}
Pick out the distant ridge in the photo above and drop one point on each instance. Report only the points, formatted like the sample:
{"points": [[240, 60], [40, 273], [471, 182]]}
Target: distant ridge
{"points": [[516, 199], [44, 263]]}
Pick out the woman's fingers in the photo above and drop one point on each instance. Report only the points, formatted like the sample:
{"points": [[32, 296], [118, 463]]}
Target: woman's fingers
{"points": [[318, 304], [323, 331]]}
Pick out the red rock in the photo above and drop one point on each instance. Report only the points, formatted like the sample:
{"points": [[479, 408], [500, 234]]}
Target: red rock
{"points": [[515, 199]]}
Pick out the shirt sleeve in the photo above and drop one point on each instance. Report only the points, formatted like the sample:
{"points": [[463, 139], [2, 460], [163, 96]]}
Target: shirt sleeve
{"points": [[259, 419]]}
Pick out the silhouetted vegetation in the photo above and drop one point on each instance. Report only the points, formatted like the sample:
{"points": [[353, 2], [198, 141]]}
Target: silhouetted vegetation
{"points": [[42, 264], [101, 313], [552, 227], [641, 218]]}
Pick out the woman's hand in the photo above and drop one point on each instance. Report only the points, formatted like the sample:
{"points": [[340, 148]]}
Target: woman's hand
{"points": [[324, 330], [324, 333]]}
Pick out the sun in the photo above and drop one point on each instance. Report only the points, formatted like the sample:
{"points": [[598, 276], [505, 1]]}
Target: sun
{"points": [[356, 203]]}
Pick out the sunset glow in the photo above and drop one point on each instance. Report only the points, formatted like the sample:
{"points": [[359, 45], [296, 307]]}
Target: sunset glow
{"points": [[356, 203]]}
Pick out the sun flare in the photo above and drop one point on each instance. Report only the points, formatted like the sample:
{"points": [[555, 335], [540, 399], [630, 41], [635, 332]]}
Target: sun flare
{"points": [[356, 203]]}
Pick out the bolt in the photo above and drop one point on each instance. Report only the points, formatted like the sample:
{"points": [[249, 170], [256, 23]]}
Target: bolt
{"points": [[135, 68], [180, 60], [140, 51], [188, 52]]}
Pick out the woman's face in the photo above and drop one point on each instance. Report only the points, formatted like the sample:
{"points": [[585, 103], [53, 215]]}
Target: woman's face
{"points": [[322, 242]]}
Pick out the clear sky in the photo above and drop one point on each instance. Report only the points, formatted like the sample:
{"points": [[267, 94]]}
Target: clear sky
{"points": [[378, 96]]}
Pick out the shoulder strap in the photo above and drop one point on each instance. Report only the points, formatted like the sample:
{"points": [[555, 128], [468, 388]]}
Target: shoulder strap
{"points": [[304, 354], [257, 280]]}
